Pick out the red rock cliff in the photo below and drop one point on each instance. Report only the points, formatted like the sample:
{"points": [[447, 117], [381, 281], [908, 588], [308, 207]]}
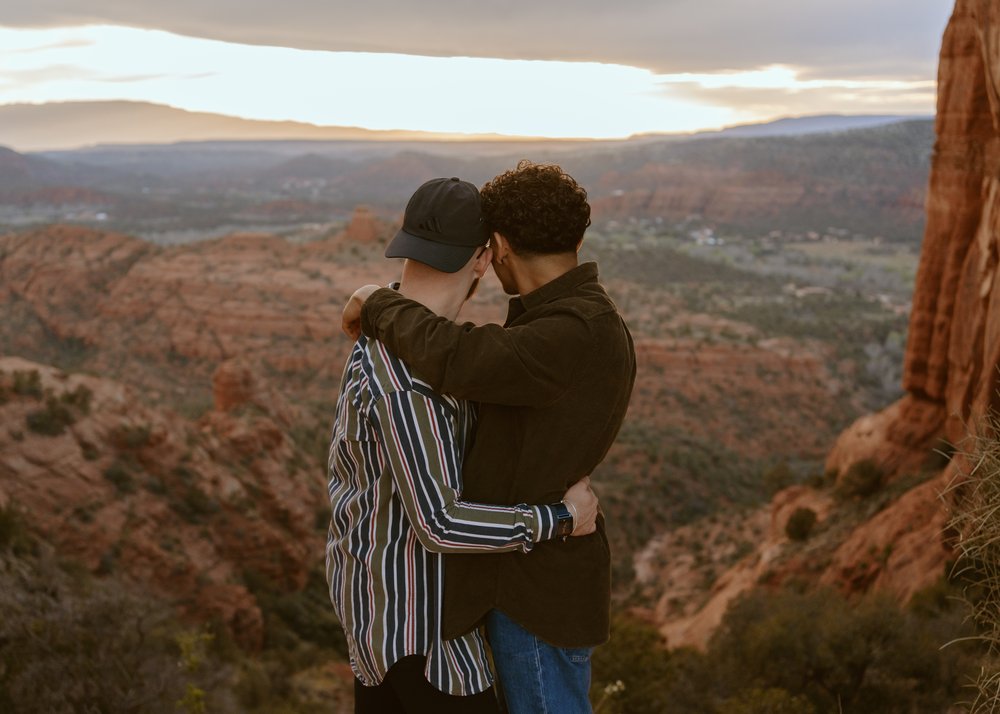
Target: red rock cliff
{"points": [[954, 338], [951, 374]]}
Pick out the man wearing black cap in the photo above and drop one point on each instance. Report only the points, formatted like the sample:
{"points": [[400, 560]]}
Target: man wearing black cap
{"points": [[394, 465], [553, 384]]}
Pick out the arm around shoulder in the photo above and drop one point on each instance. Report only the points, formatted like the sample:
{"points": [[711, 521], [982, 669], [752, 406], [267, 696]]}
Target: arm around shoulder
{"points": [[524, 365]]}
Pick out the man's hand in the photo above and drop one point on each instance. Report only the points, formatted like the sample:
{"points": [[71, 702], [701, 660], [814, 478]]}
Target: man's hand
{"points": [[582, 502], [350, 321]]}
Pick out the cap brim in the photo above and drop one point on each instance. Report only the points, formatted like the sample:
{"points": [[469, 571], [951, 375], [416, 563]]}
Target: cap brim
{"points": [[440, 256]]}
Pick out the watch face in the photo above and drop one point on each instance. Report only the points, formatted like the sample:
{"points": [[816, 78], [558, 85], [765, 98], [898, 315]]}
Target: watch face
{"points": [[564, 526]]}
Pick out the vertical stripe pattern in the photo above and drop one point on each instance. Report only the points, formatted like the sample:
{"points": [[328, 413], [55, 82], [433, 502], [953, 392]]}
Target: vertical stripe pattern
{"points": [[395, 495]]}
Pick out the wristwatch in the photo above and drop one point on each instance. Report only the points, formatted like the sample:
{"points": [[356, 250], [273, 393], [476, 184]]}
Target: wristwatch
{"points": [[564, 524]]}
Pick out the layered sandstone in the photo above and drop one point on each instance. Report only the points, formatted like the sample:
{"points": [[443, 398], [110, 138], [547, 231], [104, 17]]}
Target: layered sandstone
{"points": [[364, 227], [189, 510], [953, 349], [951, 364], [164, 318]]}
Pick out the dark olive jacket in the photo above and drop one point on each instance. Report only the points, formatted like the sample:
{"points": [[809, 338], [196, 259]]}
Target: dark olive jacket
{"points": [[553, 385]]}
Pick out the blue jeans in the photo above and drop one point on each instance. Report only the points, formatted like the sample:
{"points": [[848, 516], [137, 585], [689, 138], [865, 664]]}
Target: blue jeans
{"points": [[536, 677]]}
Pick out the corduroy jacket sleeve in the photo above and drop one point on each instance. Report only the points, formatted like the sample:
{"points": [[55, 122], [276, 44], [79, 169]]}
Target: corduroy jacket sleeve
{"points": [[524, 365]]}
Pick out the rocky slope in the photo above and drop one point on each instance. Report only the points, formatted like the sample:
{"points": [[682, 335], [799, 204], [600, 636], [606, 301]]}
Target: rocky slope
{"points": [[898, 544], [162, 319], [717, 398], [189, 510]]}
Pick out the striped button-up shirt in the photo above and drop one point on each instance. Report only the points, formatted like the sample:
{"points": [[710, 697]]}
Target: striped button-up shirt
{"points": [[395, 465]]}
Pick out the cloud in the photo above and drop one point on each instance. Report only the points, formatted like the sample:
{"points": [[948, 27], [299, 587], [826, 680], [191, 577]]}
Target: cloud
{"points": [[888, 38], [397, 91], [914, 99], [372, 90], [32, 77]]}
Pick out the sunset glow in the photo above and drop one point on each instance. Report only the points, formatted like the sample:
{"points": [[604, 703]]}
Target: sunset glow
{"points": [[440, 94]]}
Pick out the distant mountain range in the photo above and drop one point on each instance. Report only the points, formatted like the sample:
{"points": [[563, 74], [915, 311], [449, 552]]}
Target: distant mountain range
{"points": [[869, 180], [69, 125]]}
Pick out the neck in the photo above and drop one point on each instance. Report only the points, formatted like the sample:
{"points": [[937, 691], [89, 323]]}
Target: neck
{"points": [[438, 293], [535, 271]]}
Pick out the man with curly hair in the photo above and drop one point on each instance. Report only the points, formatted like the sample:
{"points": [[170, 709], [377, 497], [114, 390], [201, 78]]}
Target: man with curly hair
{"points": [[553, 385]]}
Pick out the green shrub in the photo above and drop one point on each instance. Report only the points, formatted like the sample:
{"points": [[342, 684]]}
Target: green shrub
{"points": [[28, 384], [83, 646], [767, 701], [194, 505], [89, 451], [14, 534], [154, 484], [294, 618], [52, 420], [84, 513], [80, 399], [866, 657], [861, 480], [70, 642], [119, 475], [636, 656], [800, 524], [131, 437]]}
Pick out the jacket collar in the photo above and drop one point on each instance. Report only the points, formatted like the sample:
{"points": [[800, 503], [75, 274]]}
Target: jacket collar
{"points": [[552, 290]]}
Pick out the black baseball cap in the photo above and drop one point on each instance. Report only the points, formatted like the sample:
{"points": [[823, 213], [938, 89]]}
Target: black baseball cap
{"points": [[442, 226]]}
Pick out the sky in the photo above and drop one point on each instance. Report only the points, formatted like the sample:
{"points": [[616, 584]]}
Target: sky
{"points": [[560, 68]]}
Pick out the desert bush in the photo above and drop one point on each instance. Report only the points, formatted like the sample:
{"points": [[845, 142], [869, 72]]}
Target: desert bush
{"points": [[80, 399], [70, 642], [28, 384], [767, 701], [119, 475], [636, 657], [800, 524], [194, 505], [131, 437], [862, 479], [305, 616], [66, 648], [52, 420], [868, 656], [14, 534], [89, 451]]}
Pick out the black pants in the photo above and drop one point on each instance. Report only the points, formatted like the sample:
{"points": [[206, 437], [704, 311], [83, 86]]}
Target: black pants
{"points": [[405, 690]]}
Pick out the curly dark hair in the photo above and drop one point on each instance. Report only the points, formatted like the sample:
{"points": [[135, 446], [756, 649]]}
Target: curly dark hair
{"points": [[539, 208]]}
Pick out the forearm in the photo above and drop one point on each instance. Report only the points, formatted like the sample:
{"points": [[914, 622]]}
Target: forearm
{"points": [[421, 450], [456, 526]]}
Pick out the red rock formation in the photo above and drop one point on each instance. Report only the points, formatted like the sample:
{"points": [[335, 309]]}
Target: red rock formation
{"points": [[953, 347], [364, 228], [182, 310], [954, 339], [185, 509], [953, 352], [681, 189]]}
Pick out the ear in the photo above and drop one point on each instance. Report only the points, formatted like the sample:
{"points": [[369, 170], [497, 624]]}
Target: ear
{"points": [[483, 262], [501, 246]]}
